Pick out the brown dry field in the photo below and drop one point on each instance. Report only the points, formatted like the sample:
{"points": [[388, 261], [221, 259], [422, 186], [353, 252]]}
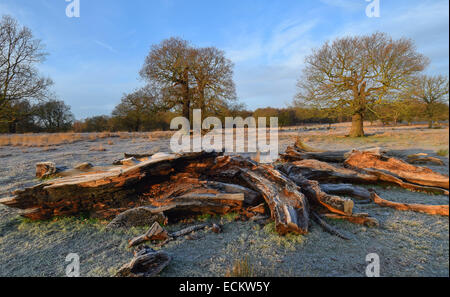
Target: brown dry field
{"points": [[408, 243]]}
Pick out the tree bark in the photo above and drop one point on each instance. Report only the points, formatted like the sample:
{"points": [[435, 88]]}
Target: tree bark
{"points": [[357, 129]]}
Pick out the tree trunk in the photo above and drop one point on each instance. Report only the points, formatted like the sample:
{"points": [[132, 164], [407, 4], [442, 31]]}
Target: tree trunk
{"points": [[12, 127], [357, 125]]}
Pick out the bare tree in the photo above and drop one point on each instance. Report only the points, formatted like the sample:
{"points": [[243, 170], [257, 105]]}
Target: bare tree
{"points": [[432, 91], [356, 72], [19, 78], [137, 108], [168, 65], [54, 116], [213, 75], [189, 77]]}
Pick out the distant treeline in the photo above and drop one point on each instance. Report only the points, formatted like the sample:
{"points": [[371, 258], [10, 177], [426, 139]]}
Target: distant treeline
{"points": [[161, 121], [55, 116]]}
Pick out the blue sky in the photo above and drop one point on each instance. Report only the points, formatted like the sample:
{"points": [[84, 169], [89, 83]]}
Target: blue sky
{"points": [[96, 58]]}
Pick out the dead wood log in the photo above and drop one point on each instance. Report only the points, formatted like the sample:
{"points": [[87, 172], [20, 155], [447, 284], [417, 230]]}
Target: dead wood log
{"points": [[83, 166], [407, 172], [441, 210], [126, 162], [97, 191], [47, 169], [314, 193], [325, 226], [188, 230], [362, 219], [146, 263], [328, 173], [140, 156], [346, 190], [292, 154], [392, 179], [423, 159], [156, 232], [289, 207]]}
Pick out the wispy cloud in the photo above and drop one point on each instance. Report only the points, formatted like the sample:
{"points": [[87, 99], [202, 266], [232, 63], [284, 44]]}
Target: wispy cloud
{"points": [[106, 46]]}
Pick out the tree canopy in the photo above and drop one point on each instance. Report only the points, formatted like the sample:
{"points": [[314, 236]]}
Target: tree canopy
{"points": [[189, 77], [355, 73]]}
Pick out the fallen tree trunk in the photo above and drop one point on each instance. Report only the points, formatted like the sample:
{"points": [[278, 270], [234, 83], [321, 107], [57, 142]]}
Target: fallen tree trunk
{"points": [[362, 219], [300, 151], [289, 207], [314, 193], [328, 173], [423, 159], [410, 173], [346, 190], [429, 209], [292, 155]]}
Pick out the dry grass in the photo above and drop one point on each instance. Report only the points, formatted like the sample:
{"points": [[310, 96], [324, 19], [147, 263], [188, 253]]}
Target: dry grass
{"points": [[97, 148], [442, 152], [241, 268], [47, 139]]}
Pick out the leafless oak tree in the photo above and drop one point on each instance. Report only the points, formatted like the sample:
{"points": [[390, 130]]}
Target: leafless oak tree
{"points": [[431, 90], [356, 72], [137, 108], [189, 77], [213, 76], [20, 80]]}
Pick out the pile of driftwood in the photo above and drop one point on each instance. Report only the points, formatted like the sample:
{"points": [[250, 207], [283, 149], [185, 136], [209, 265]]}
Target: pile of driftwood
{"points": [[304, 184]]}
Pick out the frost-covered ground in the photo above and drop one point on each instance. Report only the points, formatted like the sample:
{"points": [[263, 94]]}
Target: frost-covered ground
{"points": [[408, 243]]}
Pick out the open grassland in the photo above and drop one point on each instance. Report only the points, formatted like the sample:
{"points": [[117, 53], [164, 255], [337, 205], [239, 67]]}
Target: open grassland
{"points": [[408, 243], [52, 139]]}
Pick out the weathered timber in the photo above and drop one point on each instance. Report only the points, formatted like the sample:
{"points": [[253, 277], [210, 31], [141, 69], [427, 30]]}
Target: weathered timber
{"points": [[156, 232], [328, 173], [314, 193], [46, 169], [407, 172], [188, 230], [424, 159], [325, 172], [292, 154], [162, 188], [97, 191], [346, 190], [390, 178], [146, 263], [289, 207], [441, 210], [362, 219]]}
